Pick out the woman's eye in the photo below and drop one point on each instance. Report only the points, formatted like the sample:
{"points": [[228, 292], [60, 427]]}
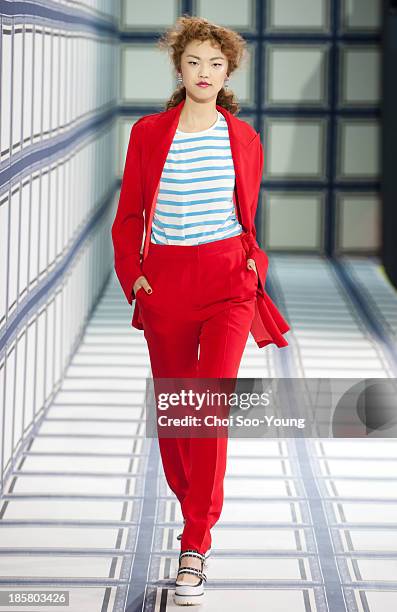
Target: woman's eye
{"points": [[192, 62]]}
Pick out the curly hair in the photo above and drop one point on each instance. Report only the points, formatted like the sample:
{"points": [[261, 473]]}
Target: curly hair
{"points": [[187, 29]]}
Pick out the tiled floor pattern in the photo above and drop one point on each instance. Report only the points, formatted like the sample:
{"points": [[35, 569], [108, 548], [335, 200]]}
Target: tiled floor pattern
{"points": [[332, 337], [308, 525], [369, 278]]}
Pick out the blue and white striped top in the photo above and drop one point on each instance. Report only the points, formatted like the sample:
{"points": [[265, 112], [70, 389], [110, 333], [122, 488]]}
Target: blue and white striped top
{"points": [[195, 198]]}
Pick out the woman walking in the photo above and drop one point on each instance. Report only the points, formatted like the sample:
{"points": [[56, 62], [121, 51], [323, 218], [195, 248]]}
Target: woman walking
{"points": [[191, 180]]}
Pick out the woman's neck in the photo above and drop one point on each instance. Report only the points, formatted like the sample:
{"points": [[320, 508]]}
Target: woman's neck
{"points": [[196, 117]]}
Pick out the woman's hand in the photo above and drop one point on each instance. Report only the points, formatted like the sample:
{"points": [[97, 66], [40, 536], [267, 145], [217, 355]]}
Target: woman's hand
{"points": [[141, 281], [251, 265]]}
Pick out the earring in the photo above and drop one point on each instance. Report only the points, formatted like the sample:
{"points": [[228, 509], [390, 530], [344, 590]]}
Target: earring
{"points": [[226, 83], [179, 79]]}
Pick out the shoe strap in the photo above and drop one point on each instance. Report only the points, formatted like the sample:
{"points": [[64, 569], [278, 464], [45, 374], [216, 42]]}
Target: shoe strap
{"points": [[192, 553], [194, 571], [190, 570]]}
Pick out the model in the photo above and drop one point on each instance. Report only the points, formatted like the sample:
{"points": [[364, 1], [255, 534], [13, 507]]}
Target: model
{"points": [[191, 181]]}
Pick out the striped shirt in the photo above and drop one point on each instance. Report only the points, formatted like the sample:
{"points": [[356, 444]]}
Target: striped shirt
{"points": [[195, 198]]}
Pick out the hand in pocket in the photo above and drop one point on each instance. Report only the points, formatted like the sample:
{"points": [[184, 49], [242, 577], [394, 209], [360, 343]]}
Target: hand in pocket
{"points": [[251, 265], [141, 283]]}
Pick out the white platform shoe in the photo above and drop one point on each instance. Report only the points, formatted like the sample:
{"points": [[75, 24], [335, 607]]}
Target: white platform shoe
{"points": [[190, 594]]}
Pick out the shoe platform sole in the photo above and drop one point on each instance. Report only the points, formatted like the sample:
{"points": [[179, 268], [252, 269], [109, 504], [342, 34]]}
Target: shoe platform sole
{"points": [[189, 600]]}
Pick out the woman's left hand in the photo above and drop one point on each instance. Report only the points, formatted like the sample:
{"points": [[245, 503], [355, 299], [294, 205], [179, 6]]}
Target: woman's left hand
{"points": [[251, 265]]}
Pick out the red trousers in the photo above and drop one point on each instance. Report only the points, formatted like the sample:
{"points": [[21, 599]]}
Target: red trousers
{"points": [[196, 323]]}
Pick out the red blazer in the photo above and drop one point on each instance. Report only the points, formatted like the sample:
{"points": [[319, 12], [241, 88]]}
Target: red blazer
{"points": [[150, 139]]}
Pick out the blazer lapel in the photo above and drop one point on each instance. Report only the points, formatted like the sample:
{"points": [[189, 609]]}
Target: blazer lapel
{"points": [[239, 146], [160, 140]]}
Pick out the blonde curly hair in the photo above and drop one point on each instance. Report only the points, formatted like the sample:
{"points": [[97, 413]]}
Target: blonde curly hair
{"points": [[187, 29]]}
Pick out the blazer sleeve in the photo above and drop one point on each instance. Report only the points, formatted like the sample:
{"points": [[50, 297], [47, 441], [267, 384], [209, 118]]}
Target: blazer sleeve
{"points": [[128, 225]]}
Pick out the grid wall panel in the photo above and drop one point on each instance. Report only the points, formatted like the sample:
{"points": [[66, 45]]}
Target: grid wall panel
{"points": [[58, 180]]}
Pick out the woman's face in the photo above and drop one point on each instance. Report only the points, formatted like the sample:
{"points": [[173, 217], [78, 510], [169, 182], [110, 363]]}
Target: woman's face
{"points": [[201, 61]]}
